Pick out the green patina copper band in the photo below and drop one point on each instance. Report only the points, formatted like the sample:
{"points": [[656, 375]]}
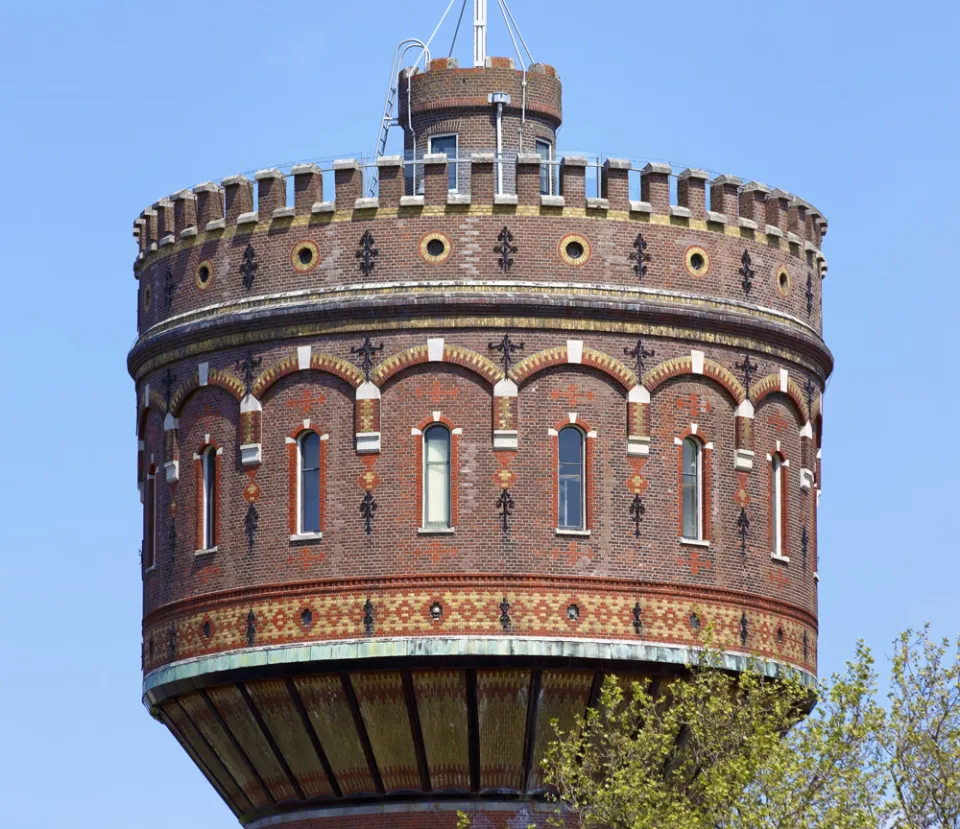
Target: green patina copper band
{"points": [[452, 647]]}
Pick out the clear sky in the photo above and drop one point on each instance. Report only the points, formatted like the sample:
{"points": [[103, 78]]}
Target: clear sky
{"points": [[105, 107]]}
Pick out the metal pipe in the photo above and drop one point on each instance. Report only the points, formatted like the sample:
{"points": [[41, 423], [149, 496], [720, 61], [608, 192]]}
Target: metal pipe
{"points": [[500, 147]]}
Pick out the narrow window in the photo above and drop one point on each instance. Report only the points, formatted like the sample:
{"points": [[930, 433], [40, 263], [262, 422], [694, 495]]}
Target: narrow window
{"points": [[309, 483], [545, 151], [447, 144], [776, 508], [436, 477], [210, 498], [150, 520], [692, 489], [570, 500]]}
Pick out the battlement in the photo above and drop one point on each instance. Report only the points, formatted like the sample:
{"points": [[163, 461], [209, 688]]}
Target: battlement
{"points": [[444, 85], [752, 208]]}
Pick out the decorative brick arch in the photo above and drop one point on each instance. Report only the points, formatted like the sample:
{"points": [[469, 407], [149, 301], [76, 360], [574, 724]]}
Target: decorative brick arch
{"points": [[217, 377], [429, 353], [681, 366], [327, 363], [154, 401], [560, 355], [773, 383]]}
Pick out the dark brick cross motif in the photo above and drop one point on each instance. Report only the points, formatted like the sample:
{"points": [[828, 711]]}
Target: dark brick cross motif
{"points": [[694, 405], [572, 394], [306, 401], [695, 561], [778, 422], [436, 393]]}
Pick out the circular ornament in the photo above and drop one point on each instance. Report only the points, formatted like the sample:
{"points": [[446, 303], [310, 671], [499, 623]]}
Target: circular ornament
{"points": [[305, 256], [697, 261], [783, 280], [435, 248], [203, 275], [574, 250]]}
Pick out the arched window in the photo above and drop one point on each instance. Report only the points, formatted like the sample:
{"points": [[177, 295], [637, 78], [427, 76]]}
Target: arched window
{"points": [[692, 483], [309, 493], [150, 520], [776, 505], [210, 512], [436, 477], [571, 503]]}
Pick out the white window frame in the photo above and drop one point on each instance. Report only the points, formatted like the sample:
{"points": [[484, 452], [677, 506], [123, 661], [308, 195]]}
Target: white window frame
{"points": [[301, 532], [451, 165], [698, 455], [776, 508], [582, 528], [425, 496], [151, 506], [208, 466], [543, 142]]}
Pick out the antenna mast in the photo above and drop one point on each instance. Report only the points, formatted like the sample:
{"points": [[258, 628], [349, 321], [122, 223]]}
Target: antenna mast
{"points": [[479, 33]]}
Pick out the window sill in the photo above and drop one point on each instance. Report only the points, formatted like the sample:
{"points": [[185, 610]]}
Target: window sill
{"points": [[206, 552], [150, 569], [778, 557], [436, 530], [694, 542], [306, 537], [582, 533]]}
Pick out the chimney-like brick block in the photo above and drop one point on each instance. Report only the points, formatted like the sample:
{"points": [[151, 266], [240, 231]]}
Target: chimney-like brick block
{"points": [[816, 220], [528, 178], [725, 196], [165, 223], [150, 222], [436, 182], [140, 233], [271, 192], [655, 187], [238, 196], [348, 182], [797, 217], [209, 204], [184, 211], [439, 64], [778, 203], [692, 191], [753, 199], [573, 180], [615, 183], [307, 187], [390, 177], [482, 185]]}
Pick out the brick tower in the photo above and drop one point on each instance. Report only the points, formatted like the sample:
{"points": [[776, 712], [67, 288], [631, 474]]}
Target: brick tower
{"points": [[419, 468]]}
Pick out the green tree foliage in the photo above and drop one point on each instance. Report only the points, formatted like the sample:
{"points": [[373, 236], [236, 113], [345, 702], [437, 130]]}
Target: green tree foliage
{"points": [[714, 750]]}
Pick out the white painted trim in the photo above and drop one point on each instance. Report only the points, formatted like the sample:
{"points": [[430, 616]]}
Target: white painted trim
{"points": [[552, 432], [807, 430], [306, 536], [170, 422], [505, 439], [806, 478], [304, 353], [250, 404], [435, 349], [694, 542], [638, 394], [638, 445], [575, 351], [436, 416], [784, 377], [209, 551], [778, 557], [172, 469], [579, 533], [203, 372], [745, 409], [743, 460], [368, 391], [697, 359], [368, 443], [505, 388], [251, 454], [415, 431], [436, 530]]}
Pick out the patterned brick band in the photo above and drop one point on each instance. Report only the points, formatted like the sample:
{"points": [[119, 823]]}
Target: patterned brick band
{"points": [[465, 607]]}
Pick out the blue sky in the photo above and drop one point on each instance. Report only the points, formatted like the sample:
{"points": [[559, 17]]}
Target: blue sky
{"points": [[104, 107]]}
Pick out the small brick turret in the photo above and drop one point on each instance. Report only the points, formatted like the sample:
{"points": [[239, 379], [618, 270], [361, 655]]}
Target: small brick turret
{"points": [[420, 468]]}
